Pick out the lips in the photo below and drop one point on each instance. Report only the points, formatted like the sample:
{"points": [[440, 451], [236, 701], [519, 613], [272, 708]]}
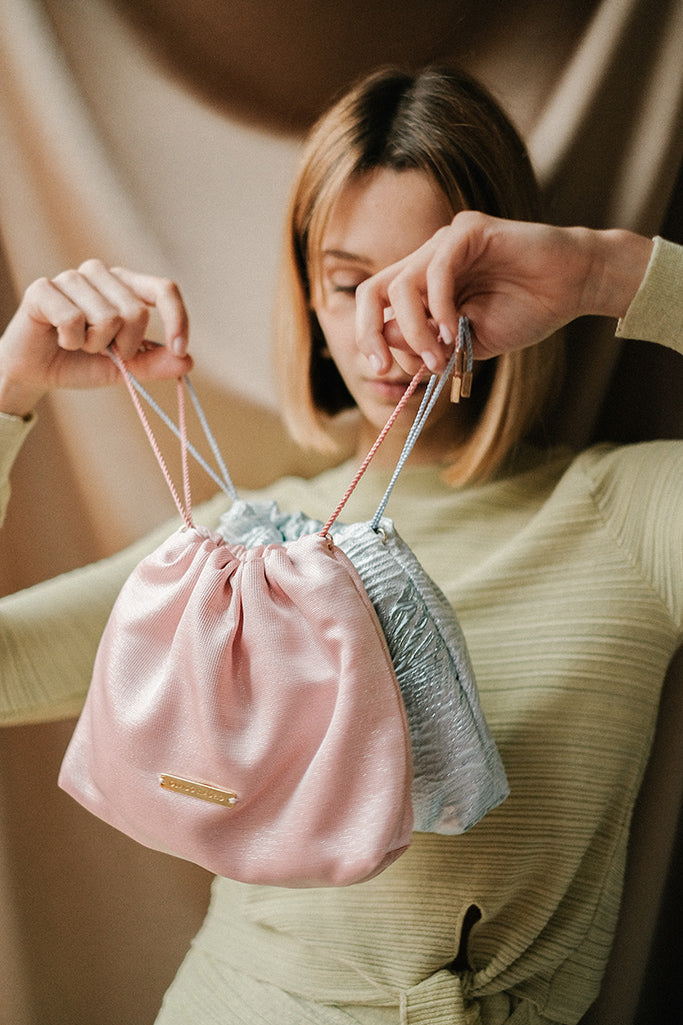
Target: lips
{"points": [[391, 390]]}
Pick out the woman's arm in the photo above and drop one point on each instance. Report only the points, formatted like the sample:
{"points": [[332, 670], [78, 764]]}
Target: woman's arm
{"points": [[517, 282], [49, 635], [57, 338]]}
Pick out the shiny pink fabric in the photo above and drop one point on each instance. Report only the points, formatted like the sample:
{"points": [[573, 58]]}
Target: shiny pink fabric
{"points": [[263, 671]]}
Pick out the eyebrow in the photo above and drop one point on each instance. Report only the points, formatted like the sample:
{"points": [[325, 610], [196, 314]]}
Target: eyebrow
{"points": [[341, 254]]}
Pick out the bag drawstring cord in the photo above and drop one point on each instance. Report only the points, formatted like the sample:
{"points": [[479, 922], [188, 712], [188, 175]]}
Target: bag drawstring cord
{"points": [[184, 510], [432, 392]]}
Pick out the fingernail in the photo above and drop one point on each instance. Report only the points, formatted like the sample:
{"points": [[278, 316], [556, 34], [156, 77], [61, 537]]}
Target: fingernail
{"points": [[178, 346], [375, 362], [445, 335], [429, 360]]}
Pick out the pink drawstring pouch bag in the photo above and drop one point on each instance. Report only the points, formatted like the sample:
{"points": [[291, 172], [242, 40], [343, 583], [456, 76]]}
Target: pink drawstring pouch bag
{"points": [[244, 711]]}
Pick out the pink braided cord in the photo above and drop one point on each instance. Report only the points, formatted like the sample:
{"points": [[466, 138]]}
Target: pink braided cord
{"points": [[380, 438], [184, 510]]}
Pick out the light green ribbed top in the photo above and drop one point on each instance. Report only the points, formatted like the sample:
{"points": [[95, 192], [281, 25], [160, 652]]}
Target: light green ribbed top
{"points": [[567, 577]]}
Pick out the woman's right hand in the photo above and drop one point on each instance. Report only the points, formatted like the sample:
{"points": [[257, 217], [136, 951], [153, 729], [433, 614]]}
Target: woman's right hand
{"points": [[59, 335], [517, 281]]}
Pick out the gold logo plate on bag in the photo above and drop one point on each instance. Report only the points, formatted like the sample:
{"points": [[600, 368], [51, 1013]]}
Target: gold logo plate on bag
{"points": [[190, 787]]}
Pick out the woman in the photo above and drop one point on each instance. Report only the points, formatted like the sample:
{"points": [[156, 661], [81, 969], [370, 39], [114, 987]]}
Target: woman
{"points": [[415, 204]]}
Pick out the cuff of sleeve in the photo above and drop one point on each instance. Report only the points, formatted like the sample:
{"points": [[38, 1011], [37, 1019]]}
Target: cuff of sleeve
{"points": [[656, 312], [13, 432]]}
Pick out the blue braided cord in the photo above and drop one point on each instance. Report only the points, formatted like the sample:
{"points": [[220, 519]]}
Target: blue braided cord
{"points": [[432, 393], [201, 415], [412, 437], [226, 485], [465, 339]]}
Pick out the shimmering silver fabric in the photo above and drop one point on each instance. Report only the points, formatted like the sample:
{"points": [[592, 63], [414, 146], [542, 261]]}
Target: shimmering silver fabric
{"points": [[458, 774]]}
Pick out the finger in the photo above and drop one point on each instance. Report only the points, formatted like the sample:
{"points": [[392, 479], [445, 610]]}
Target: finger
{"points": [[411, 302], [93, 321], [165, 295], [51, 308], [449, 273], [371, 305], [80, 369], [132, 309], [414, 322], [408, 361], [159, 363]]}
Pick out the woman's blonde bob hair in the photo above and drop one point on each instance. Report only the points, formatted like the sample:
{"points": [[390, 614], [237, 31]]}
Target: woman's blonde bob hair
{"points": [[441, 122]]}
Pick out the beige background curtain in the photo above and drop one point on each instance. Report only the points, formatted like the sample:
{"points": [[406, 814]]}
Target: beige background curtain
{"points": [[163, 135]]}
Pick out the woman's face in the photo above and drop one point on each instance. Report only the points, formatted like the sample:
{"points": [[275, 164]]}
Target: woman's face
{"points": [[378, 219]]}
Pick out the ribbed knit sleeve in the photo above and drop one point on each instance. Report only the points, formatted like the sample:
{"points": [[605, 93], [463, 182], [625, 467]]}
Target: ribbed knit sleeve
{"points": [[48, 639], [656, 312], [13, 433], [49, 633], [639, 493]]}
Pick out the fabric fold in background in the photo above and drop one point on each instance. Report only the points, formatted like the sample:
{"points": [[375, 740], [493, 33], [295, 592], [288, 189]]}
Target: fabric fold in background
{"points": [[528, 54]]}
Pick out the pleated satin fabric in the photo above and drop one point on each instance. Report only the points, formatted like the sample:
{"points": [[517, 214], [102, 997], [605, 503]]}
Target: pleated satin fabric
{"points": [[263, 677]]}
